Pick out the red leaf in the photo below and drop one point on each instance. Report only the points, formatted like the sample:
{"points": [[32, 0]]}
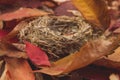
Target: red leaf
{"points": [[115, 26], [36, 55], [17, 69], [3, 33]]}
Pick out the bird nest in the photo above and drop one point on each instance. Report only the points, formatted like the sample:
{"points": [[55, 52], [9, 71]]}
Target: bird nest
{"points": [[58, 36]]}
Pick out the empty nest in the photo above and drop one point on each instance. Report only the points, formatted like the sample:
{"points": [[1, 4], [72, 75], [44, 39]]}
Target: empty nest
{"points": [[58, 36]]}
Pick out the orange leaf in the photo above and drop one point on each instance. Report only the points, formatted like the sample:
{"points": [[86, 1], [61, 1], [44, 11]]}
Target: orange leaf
{"points": [[22, 13], [95, 11], [90, 52], [17, 69]]}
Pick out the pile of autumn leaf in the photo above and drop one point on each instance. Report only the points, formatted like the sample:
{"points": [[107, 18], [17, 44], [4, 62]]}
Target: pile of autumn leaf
{"points": [[14, 62]]}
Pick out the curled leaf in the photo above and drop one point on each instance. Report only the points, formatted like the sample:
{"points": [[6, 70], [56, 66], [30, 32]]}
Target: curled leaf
{"points": [[22, 13], [111, 61], [90, 52], [17, 69], [14, 32], [36, 55], [7, 49], [95, 11]]}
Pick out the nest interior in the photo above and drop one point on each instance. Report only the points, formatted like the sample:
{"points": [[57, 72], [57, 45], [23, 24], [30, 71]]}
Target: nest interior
{"points": [[58, 36]]}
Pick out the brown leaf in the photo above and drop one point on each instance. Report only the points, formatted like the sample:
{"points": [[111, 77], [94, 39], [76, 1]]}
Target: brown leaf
{"points": [[22, 13], [95, 11], [14, 32], [67, 6], [1, 67], [111, 61], [1, 24], [7, 49], [115, 56], [17, 69], [90, 52], [38, 76]]}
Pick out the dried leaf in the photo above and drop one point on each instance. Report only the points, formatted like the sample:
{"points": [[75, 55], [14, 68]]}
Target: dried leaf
{"points": [[1, 67], [38, 76], [14, 32], [7, 49], [108, 63], [95, 11], [92, 72], [3, 33], [1, 24], [114, 26], [17, 69], [115, 56], [36, 55], [114, 77], [111, 61], [117, 25], [67, 6], [90, 52], [61, 1], [27, 3], [28, 12]]}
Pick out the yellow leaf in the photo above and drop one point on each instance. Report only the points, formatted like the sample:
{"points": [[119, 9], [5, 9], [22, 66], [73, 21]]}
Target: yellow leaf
{"points": [[95, 11]]}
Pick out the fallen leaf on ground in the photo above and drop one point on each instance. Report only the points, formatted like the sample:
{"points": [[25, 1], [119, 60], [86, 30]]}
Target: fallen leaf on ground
{"points": [[92, 72], [37, 55], [22, 13], [114, 77], [111, 61], [27, 3], [3, 33], [59, 11], [90, 52], [1, 24], [17, 69], [117, 25], [115, 56], [1, 67], [14, 32], [95, 11], [7, 49], [114, 26]]}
